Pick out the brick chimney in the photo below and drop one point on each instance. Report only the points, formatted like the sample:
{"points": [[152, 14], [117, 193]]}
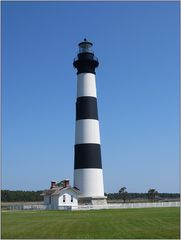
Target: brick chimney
{"points": [[66, 183], [53, 184]]}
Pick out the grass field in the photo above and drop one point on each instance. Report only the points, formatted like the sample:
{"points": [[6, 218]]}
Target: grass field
{"points": [[118, 223]]}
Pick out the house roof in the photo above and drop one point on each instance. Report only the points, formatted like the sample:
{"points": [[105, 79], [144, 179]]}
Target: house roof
{"points": [[58, 190]]}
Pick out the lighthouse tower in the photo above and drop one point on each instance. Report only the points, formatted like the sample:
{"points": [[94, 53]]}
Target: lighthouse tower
{"points": [[88, 175]]}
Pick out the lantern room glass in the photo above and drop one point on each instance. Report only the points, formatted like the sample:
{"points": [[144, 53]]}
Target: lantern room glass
{"points": [[85, 47]]}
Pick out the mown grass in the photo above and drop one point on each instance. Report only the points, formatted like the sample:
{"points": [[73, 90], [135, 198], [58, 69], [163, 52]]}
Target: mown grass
{"points": [[142, 223]]}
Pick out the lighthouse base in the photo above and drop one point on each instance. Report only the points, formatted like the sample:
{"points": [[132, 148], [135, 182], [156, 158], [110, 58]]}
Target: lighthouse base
{"points": [[92, 200]]}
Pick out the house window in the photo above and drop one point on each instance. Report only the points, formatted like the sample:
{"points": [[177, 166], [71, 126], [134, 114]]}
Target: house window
{"points": [[63, 198], [72, 198], [49, 199]]}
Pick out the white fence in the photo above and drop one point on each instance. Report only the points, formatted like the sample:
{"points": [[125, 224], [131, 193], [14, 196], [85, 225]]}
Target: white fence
{"points": [[127, 205], [95, 207], [26, 207]]}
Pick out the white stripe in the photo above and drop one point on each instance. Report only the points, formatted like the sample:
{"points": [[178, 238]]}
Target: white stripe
{"points": [[86, 85], [87, 131], [89, 181]]}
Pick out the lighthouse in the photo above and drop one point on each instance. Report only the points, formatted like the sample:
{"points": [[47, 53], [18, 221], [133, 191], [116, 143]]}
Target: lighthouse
{"points": [[88, 174]]}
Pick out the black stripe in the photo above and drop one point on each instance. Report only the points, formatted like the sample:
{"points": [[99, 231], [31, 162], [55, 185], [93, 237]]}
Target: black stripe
{"points": [[87, 156], [86, 108]]}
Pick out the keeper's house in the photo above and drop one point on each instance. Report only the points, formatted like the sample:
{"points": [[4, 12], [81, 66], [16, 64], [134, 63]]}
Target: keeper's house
{"points": [[60, 196]]}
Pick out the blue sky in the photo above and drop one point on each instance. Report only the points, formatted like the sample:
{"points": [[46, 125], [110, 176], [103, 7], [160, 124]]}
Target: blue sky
{"points": [[137, 44]]}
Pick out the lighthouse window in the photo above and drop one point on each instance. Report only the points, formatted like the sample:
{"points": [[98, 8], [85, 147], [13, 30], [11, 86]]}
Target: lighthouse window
{"points": [[63, 198], [72, 198]]}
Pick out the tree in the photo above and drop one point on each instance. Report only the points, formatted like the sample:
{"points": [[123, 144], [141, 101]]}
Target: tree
{"points": [[23, 196], [123, 193], [152, 193], [61, 183]]}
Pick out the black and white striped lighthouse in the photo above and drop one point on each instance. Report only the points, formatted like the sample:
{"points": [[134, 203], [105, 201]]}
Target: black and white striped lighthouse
{"points": [[88, 175]]}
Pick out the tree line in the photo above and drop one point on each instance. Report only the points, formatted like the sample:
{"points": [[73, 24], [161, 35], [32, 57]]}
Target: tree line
{"points": [[21, 196], [34, 196], [152, 195]]}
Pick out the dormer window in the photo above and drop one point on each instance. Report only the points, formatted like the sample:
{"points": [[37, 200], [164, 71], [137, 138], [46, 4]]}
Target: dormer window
{"points": [[72, 199], [64, 198]]}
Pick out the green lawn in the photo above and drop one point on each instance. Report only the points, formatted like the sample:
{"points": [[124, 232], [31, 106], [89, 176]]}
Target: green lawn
{"points": [[118, 223]]}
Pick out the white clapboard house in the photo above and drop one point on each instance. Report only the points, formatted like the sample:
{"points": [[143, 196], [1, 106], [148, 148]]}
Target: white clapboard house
{"points": [[60, 196]]}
